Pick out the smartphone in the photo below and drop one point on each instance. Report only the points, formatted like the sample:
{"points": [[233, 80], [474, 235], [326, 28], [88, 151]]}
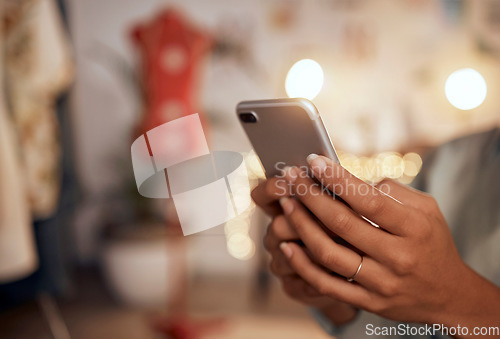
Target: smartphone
{"points": [[283, 132]]}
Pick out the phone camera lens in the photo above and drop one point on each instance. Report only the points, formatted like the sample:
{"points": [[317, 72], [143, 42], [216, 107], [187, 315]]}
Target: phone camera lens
{"points": [[248, 117]]}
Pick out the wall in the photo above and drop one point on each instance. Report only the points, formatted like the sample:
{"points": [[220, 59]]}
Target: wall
{"points": [[385, 65]]}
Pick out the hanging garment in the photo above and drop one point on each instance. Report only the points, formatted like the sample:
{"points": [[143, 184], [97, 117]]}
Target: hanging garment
{"points": [[38, 68], [17, 247]]}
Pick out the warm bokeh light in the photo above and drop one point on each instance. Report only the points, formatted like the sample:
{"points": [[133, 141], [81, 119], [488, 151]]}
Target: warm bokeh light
{"points": [[412, 164], [392, 165], [240, 246], [254, 167], [465, 89], [403, 168], [304, 79]]}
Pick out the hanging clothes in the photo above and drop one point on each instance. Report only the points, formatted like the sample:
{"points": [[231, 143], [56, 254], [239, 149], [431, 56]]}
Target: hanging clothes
{"points": [[17, 247], [38, 67]]}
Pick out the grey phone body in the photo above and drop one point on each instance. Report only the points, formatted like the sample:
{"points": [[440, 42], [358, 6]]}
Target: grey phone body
{"points": [[283, 132]]}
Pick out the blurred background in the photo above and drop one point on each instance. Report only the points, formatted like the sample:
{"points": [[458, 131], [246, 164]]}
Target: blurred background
{"points": [[83, 255]]}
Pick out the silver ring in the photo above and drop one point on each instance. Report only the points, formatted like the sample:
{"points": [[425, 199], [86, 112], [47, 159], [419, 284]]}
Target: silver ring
{"points": [[351, 279]]}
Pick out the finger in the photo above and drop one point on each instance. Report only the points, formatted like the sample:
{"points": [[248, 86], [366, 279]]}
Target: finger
{"points": [[323, 282], [280, 266], [268, 192], [363, 198], [342, 220], [278, 231], [403, 193], [335, 257], [328, 253], [298, 289]]}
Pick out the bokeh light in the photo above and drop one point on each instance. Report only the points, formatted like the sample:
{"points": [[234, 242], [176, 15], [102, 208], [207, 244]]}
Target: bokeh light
{"points": [[403, 168], [240, 246], [304, 79], [465, 89], [412, 164]]}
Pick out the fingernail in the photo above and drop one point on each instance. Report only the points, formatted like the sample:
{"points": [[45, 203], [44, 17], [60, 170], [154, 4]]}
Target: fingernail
{"points": [[289, 174], [317, 163], [287, 250], [311, 157], [286, 205]]}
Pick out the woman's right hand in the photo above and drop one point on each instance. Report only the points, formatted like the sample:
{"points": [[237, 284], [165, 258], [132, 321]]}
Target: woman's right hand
{"points": [[266, 195]]}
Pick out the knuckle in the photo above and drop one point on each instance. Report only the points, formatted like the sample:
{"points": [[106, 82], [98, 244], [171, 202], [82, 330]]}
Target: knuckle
{"points": [[323, 288], [342, 222], [375, 205], [418, 225], [390, 288], [430, 204], [326, 257], [405, 263]]}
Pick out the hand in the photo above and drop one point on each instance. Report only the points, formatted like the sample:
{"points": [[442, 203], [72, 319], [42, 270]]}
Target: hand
{"points": [[279, 231], [266, 195], [411, 268]]}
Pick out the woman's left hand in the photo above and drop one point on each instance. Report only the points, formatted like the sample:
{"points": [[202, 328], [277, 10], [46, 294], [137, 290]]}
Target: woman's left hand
{"points": [[411, 269]]}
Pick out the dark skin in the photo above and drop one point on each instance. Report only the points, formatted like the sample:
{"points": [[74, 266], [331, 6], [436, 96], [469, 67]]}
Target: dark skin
{"points": [[411, 269]]}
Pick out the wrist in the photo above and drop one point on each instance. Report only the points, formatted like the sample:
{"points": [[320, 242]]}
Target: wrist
{"points": [[477, 303]]}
